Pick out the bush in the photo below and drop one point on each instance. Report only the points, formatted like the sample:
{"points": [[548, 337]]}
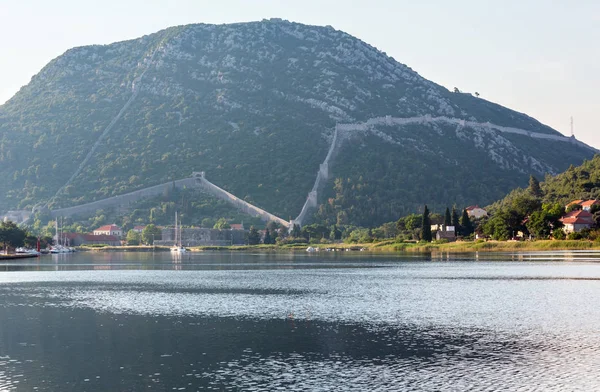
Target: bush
{"points": [[559, 234], [575, 236], [291, 240]]}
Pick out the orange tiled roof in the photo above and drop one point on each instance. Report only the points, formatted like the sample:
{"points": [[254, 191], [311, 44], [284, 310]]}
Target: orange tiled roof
{"points": [[589, 203], [108, 228]]}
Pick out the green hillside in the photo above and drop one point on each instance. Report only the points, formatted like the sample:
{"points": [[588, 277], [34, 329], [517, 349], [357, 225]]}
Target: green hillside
{"points": [[254, 105]]}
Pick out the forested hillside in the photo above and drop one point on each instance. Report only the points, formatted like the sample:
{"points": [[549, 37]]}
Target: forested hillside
{"points": [[255, 105]]}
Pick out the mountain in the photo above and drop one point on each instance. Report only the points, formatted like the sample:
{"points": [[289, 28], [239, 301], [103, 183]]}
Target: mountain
{"points": [[255, 106]]}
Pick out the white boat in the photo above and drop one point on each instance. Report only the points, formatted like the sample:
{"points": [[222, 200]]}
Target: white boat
{"points": [[27, 251], [310, 249], [178, 248]]}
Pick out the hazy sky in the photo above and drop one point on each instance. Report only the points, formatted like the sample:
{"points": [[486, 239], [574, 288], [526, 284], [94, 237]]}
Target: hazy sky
{"points": [[539, 57]]}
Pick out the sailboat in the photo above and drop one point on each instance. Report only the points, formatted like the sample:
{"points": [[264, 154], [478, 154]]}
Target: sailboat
{"points": [[178, 248]]}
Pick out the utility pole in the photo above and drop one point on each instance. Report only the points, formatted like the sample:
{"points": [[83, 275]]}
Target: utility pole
{"points": [[572, 129]]}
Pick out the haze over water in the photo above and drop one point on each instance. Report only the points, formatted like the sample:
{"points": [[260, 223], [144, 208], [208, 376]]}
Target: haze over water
{"points": [[240, 321]]}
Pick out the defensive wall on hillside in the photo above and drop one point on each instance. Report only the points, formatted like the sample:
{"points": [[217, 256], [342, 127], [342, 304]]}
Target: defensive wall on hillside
{"points": [[389, 121], [125, 200], [198, 181], [344, 131], [238, 203], [341, 133]]}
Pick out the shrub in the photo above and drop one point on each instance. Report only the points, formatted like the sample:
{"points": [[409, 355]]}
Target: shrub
{"points": [[559, 234]]}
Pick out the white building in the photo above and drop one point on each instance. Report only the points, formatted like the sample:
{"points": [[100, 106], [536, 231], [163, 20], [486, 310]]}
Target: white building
{"points": [[109, 230]]}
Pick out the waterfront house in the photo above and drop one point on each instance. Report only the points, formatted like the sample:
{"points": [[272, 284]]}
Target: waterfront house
{"points": [[577, 220], [138, 229], [476, 212], [109, 230]]}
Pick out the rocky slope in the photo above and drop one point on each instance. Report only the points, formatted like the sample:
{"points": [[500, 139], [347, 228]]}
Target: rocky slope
{"points": [[255, 106]]}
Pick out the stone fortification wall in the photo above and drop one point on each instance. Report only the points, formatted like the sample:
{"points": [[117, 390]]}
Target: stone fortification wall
{"points": [[344, 132], [322, 176], [196, 236], [238, 203], [388, 120], [123, 201]]}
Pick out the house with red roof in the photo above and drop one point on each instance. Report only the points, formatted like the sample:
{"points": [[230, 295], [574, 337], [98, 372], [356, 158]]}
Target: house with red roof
{"points": [[588, 204], [573, 203], [577, 220], [236, 226], [138, 229], [109, 230]]}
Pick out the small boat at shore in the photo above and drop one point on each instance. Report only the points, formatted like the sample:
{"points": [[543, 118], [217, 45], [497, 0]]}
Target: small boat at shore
{"points": [[27, 251], [178, 248]]}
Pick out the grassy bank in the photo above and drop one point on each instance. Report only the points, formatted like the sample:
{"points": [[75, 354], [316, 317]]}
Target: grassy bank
{"points": [[488, 246], [385, 246]]}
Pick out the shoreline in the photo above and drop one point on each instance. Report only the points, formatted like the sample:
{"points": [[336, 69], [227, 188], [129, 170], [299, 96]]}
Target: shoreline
{"points": [[381, 247], [16, 256]]}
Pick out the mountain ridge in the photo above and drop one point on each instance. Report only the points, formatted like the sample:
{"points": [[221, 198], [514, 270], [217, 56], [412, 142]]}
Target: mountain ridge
{"points": [[249, 103]]}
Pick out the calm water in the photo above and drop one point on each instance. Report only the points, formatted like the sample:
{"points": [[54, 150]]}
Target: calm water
{"points": [[221, 321]]}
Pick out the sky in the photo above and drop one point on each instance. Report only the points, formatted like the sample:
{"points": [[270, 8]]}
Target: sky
{"points": [[537, 57]]}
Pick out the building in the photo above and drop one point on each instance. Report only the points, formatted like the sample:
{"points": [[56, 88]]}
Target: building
{"points": [[476, 212], [588, 204], [138, 229], [445, 235], [109, 230], [443, 232], [573, 203], [78, 239], [577, 220], [237, 226]]}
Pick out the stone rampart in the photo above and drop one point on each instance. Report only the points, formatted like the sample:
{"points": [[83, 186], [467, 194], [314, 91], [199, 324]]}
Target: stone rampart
{"points": [[124, 201], [238, 203]]}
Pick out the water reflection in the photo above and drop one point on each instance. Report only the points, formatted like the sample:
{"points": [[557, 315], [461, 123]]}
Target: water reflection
{"points": [[117, 321]]}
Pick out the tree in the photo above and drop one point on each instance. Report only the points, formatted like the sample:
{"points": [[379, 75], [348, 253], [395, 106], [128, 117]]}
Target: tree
{"points": [[466, 226], [426, 226], [476, 94], [151, 233], [222, 224], [296, 232], [534, 187], [455, 221], [253, 236], [133, 237], [456, 90], [207, 222], [268, 239], [447, 218], [335, 233], [11, 235]]}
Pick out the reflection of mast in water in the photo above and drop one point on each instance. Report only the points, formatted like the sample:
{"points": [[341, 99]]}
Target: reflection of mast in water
{"points": [[176, 260]]}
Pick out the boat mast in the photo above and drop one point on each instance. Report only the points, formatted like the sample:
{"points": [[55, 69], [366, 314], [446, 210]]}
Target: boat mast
{"points": [[175, 228]]}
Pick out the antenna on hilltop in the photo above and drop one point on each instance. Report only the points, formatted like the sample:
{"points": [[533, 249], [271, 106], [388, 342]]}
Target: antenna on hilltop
{"points": [[572, 131]]}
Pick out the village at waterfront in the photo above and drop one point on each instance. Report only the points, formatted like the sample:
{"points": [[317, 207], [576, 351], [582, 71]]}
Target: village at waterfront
{"points": [[431, 232]]}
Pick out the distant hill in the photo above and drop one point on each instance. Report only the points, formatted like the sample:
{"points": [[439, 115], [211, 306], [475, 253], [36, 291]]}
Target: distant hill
{"points": [[576, 183], [255, 105]]}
